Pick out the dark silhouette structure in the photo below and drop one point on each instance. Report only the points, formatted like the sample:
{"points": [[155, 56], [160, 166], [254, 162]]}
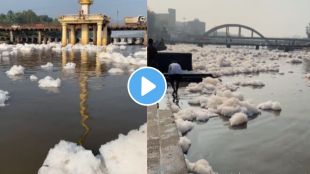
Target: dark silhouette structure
{"points": [[151, 54]]}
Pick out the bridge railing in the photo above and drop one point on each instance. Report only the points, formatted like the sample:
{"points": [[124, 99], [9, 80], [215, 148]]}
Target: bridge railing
{"points": [[36, 26], [84, 16]]}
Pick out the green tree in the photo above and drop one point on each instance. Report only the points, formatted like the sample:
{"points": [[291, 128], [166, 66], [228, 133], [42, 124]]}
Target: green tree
{"points": [[24, 17]]}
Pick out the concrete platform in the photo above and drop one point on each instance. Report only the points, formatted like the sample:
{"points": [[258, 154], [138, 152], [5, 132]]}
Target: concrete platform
{"points": [[192, 76], [165, 156]]}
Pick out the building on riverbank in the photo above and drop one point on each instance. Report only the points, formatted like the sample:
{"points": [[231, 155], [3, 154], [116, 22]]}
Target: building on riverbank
{"points": [[85, 22]]}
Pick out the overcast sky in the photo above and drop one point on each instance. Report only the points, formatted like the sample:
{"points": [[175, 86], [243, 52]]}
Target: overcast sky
{"points": [[273, 18], [57, 8]]}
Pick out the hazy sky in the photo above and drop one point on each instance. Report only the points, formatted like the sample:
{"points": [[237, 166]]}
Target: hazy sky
{"points": [[57, 8], [273, 18]]}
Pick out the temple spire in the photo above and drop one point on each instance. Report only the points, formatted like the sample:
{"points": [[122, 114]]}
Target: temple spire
{"points": [[85, 5]]}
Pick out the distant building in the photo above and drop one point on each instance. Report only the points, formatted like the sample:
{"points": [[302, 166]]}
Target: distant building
{"points": [[194, 27], [167, 20], [165, 26]]}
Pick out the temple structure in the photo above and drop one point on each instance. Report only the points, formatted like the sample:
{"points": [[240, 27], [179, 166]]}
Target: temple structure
{"points": [[85, 22]]}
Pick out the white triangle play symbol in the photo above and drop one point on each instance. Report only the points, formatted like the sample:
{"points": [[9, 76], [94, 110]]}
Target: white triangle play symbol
{"points": [[146, 86]]}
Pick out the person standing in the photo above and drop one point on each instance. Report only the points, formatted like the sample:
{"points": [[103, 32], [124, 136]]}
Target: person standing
{"points": [[175, 75], [151, 54]]}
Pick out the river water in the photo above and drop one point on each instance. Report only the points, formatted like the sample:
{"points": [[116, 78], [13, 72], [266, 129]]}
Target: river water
{"points": [[273, 142], [90, 108]]}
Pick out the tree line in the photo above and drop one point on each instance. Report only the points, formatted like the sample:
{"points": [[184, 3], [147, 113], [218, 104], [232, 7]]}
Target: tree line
{"points": [[25, 17]]}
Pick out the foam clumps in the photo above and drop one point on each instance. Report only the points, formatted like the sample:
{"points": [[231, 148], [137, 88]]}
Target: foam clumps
{"points": [[253, 83], [4, 96], [15, 70], [70, 66], [70, 158], [77, 47], [116, 71], [270, 105], [221, 61], [33, 78], [295, 61], [220, 100], [185, 144], [238, 119], [184, 126], [122, 59], [127, 154], [47, 66], [49, 82], [201, 166]]}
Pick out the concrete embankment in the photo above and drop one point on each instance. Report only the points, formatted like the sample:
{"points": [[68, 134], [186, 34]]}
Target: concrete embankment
{"points": [[165, 156]]}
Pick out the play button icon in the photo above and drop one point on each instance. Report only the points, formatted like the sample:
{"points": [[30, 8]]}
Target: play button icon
{"points": [[147, 86]]}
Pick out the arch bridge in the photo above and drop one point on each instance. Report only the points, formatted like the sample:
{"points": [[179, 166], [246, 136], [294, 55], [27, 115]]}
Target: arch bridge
{"points": [[248, 36], [215, 36]]}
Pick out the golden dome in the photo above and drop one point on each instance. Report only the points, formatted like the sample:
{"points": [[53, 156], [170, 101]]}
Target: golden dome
{"points": [[86, 2]]}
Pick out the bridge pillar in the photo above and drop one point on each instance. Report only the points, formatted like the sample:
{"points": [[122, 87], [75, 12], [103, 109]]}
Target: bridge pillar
{"points": [[145, 39], [16, 39], [85, 34], [44, 40], [227, 31], [99, 34], [63, 57], [72, 35], [106, 36], [29, 39], [64, 34], [39, 37], [257, 47], [94, 35], [11, 36], [239, 31]]}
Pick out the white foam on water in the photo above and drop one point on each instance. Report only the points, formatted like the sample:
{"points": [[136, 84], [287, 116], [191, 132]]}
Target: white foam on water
{"points": [[70, 158], [220, 99], [123, 57], [47, 66], [174, 108], [201, 166], [33, 78], [185, 114], [295, 61], [125, 155], [238, 119], [116, 71], [15, 70], [203, 115], [49, 82], [185, 144], [4, 96], [184, 126], [6, 54], [254, 83], [70, 66], [270, 105], [222, 61]]}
